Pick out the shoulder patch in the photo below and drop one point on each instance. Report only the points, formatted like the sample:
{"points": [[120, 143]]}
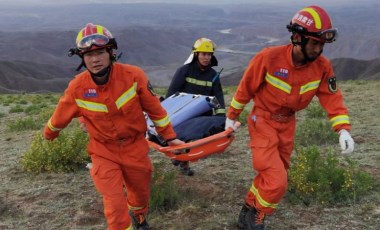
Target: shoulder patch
{"points": [[331, 81], [151, 90]]}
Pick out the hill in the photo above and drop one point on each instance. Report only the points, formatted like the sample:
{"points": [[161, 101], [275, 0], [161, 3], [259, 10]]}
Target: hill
{"points": [[32, 77], [351, 69], [21, 76], [158, 36]]}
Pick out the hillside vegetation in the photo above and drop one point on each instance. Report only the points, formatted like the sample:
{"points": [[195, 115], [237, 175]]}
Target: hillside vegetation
{"points": [[210, 200]]}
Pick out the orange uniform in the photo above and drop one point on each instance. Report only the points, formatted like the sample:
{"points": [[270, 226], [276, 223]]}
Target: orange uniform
{"points": [[114, 118], [278, 90]]}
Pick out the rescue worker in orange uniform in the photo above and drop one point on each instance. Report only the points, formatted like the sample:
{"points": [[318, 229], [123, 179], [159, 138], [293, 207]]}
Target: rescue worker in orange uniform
{"points": [[197, 76], [111, 98], [282, 80]]}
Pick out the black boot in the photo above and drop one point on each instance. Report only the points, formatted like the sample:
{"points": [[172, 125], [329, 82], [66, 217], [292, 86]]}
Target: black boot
{"points": [[175, 162], [255, 219], [242, 214], [139, 222], [185, 168]]}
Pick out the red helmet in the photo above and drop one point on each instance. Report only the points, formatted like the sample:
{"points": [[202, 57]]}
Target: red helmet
{"points": [[315, 23], [93, 37]]}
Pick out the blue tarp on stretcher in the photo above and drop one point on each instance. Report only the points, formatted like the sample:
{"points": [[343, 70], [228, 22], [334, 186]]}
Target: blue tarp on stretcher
{"points": [[205, 135], [182, 107], [199, 127]]}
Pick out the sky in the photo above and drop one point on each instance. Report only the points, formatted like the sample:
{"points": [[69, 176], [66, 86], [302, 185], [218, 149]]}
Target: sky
{"points": [[57, 2]]}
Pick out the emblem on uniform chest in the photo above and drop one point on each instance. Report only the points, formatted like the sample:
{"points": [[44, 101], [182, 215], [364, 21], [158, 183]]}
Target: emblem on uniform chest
{"points": [[90, 93], [281, 72]]}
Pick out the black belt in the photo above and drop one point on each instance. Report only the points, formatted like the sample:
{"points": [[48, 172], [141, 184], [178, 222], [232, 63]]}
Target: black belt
{"points": [[280, 118]]}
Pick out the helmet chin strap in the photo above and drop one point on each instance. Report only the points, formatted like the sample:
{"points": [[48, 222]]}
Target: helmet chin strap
{"points": [[101, 73], [96, 77], [303, 43]]}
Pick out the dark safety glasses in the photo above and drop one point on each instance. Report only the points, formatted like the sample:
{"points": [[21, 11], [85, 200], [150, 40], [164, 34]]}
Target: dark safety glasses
{"points": [[92, 40]]}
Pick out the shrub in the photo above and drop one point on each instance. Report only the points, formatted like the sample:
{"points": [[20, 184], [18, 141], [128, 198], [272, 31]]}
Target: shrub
{"points": [[21, 124], [165, 193], [229, 91], [315, 110], [32, 122], [46, 98], [67, 153], [45, 114], [34, 108], [23, 102], [35, 98], [10, 99], [315, 132], [160, 91], [16, 109], [244, 116], [322, 179]]}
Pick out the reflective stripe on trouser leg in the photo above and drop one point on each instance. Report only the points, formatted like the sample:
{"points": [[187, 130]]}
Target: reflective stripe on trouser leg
{"points": [[270, 183], [138, 173], [138, 190], [130, 163]]}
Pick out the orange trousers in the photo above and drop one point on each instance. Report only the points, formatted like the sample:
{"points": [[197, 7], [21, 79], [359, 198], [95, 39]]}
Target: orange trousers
{"points": [[121, 172], [271, 145]]}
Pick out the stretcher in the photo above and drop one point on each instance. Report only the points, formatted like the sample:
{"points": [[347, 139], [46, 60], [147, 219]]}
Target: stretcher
{"points": [[193, 151], [181, 107]]}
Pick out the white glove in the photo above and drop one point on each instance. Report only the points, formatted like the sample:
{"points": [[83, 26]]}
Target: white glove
{"points": [[346, 142], [230, 124]]}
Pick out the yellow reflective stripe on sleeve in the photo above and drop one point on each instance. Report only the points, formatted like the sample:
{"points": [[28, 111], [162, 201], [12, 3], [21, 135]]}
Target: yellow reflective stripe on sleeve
{"points": [[132, 208], [317, 19], [126, 96], [130, 227], [51, 127], [340, 119], [219, 111], [198, 82], [237, 105], [310, 86], [277, 83], [162, 122], [260, 199], [92, 106]]}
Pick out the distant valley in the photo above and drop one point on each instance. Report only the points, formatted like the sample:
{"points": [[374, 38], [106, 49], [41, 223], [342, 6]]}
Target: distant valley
{"points": [[158, 37]]}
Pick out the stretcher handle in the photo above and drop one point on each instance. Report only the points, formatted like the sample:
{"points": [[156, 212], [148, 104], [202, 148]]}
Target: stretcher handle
{"points": [[199, 142]]}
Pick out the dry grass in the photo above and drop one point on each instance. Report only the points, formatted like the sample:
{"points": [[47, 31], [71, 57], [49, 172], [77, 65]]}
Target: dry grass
{"points": [[214, 194]]}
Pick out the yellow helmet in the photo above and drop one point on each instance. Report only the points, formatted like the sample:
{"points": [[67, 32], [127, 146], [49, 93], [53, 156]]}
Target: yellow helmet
{"points": [[204, 45]]}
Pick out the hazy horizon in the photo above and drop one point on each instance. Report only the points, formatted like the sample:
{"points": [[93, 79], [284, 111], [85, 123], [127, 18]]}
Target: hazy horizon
{"points": [[209, 2]]}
